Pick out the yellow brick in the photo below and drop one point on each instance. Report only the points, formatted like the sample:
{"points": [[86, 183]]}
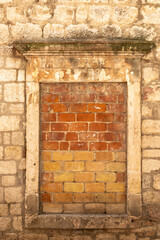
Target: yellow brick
{"points": [[74, 166], [62, 156], [73, 187], [46, 156], [82, 156], [83, 197], [73, 208], [63, 197], [52, 208], [105, 197], [120, 156], [116, 167], [105, 177], [84, 177], [52, 166], [95, 187], [95, 166], [105, 156], [115, 187], [63, 177]]}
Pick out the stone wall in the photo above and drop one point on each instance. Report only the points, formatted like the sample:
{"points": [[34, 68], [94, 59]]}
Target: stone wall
{"points": [[66, 19]]}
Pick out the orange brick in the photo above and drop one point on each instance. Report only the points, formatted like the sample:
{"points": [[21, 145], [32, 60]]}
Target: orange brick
{"points": [[73, 187], [44, 108], [62, 197], [45, 156], [69, 98], [78, 107], [78, 87], [48, 98], [105, 117], [115, 187], [120, 117], [115, 167], [84, 177], [121, 137], [94, 187], [83, 197], [48, 117], [71, 136], [59, 87], [105, 197], [105, 156], [120, 156], [97, 127], [105, 177], [121, 98], [96, 107], [108, 98], [121, 177], [74, 166], [96, 88], [62, 156], [79, 146], [82, 156], [59, 127], [64, 145], [73, 208], [50, 145], [117, 107], [49, 136], [79, 127], [94, 146], [107, 136], [95, 208], [66, 117], [52, 166], [120, 197], [52, 208], [89, 117], [95, 166], [46, 197], [118, 127], [53, 187], [59, 107], [116, 146], [63, 177], [87, 98], [88, 136], [46, 177], [45, 126]]}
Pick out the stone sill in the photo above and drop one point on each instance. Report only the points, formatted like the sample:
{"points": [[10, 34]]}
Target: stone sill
{"points": [[80, 221]]}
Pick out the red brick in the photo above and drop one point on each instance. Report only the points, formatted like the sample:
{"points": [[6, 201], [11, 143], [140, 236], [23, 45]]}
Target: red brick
{"points": [[89, 117], [46, 177], [116, 127], [121, 98], [96, 107], [49, 98], [115, 146], [97, 127], [69, 98], [107, 136], [57, 136], [64, 145], [44, 108], [116, 88], [59, 107], [53, 187], [79, 126], [71, 136], [121, 177], [78, 87], [66, 117], [105, 117], [59, 87], [79, 146], [50, 145], [45, 136], [88, 136], [96, 88], [78, 107], [87, 98], [48, 117], [121, 137], [45, 126], [46, 197], [117, 107], [120, 118], [59, 127], [98, 146], [108, 98]]}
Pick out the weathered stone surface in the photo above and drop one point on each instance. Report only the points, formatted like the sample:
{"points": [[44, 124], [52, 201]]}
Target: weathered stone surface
{"points": [[111, 31], [13, 152], [1, 194], [150, 141], [11, 236], [31, 236], [53, 31], [18, 138], [156, 181], [8, 167], [16, 209], [5, 223], [4, 34], [146, 181], [80, 31], [3, 210], [22, 164], [17, 223], [154, 212], [63, 14], [21, 76], [149, 165], [151, 197], [16, 108], [124, 15], [151, 153], [13, 194], [8, 181], [7, 75], [115, 208], [106, 236], [98, 15], [137, 32], [81, 14], [13, 62], [150, 74], [15, 15], [131, 236], [146, 111], [26, 31], [1, 152], [14, 92], [6, 138], [150, 14], [39, 13], [150, 126]]}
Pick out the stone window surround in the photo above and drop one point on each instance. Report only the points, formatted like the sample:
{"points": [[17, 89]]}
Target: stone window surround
{"points": [[132, 50]]}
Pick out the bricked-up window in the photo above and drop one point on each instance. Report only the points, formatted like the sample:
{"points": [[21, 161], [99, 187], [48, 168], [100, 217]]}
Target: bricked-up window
{"points": [[83, 148]]}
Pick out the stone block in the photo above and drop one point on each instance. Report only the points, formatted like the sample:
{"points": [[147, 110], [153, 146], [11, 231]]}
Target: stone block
{"points": [[131, 236], [39, 13], [8, 167], [146, 111], [12, 62], [4, 34], [21, 76], [150, 141], [150, 126], [17, 223], [16, 108], [105, 236], [156, 181], [6, 138], [1, 152], [151, 153], [1, 194], [26, 31], [5, 224], [8, 181], [111, 31], [80, 31], [13, 152], [150, 14], [151, 197], [115, 208], [13, 194], [124, 15], [146, 181], [7, 75], [99, 15], [18, 138], [63, 14], [149, 165], [33, 236], [81, 14], [53, 31], [16, 209], [11, 236], [14, 15], [14, 92], [3, 210], [137, 32], [150, 74]]}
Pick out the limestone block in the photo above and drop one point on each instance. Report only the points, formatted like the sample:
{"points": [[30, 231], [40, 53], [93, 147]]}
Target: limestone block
{"points": [[13, 194], [14, 92], [151, 14], [124, 15], [150, 165], [115, 208], [111, 31], [151, 153], [22, 164], [26, 31], [39, 13], [1, 14], [1, 92], [140, 33], [8, 167], [99, 15], [5, 224], [63, 14], [4, 34], [100, 1], [31, 236], [18, 138], [13, 62], [14, 15], [80, 31], [8, 181], [5, 1], [150, 126], [150, 141], [81, 14], [1, 194], [146, 111], [6, 138], [11, 236], [3, 210], [152, 93], [106, 236], [146, 181], [156, 181], [7, 75], [13, 152], [150, 74], [21, 76], [53, 31], [151, 197], [16, 209], [131, 236], [16, 108], [1, 152], [2, 61], [17, 223]]}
